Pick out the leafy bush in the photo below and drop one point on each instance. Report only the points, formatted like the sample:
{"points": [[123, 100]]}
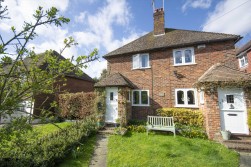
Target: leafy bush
{"points": [[137, 122], [183, 116], [76, 105], [137, 128], [50, 149], [249, 118], [191, 131]]}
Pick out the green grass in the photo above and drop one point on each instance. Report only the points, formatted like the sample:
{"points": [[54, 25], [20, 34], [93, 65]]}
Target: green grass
{"points": [[156, 150], [84, 154], [45, 129]]}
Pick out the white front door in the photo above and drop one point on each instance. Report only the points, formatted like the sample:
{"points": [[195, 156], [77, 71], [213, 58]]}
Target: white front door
{"points": [[111, 105], [233, 110]]}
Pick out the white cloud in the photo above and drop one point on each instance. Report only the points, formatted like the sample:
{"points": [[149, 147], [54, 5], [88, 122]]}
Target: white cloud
{"points": [[80, 18], [98, 31], [227, 17], [203, 4]]}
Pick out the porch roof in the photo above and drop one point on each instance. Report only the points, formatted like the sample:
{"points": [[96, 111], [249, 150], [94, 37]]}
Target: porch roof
{"points": [[115, 79], [224, 75]]}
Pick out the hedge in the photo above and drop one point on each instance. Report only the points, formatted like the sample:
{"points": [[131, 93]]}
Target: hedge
{"points": [[76, 105], [49, 150], [183, 116]]}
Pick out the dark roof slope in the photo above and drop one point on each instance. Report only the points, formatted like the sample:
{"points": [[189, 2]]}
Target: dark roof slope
{"points": [[220, 72], [42, 64], [244, 48], [115, 79], [172, 38]]}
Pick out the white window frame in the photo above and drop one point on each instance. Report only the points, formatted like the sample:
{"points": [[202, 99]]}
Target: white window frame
{"points": [[202, 97], [182, 50], [185, 90], [139, 64], [243, 57], [138, 90]]}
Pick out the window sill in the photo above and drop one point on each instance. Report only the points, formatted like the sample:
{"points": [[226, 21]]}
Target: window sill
{"points": [[141, 68], [245, 66], [186, 106], [190, 64], [140, 105]]}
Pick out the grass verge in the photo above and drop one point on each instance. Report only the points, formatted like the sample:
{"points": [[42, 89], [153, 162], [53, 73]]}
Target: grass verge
{"points": [[82, 156], [138, 149]]}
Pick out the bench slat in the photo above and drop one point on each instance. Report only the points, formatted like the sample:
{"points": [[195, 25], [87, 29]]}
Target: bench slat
{"points": [[160, 123]]}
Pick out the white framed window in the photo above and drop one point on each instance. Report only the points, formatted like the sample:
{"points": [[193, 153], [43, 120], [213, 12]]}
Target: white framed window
{"points": [[243, 60], [184, 56], [140, 97], [201, 97], [186, 98], [140, 61]]}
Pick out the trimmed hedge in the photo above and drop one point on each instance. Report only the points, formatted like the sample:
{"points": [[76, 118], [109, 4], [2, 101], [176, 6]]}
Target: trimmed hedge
{"points": [[76, 105], [183, 116], [49, 150]]}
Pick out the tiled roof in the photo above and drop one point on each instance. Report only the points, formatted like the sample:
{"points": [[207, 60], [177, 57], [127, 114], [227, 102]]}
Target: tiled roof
{"points": [[222, 73], [115, 79], [244, 48], [42, 64], [172, 38]]}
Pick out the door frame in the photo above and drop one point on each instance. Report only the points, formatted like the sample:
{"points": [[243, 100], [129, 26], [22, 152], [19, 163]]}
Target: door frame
{"points": [[115, 102], [244, 110]]}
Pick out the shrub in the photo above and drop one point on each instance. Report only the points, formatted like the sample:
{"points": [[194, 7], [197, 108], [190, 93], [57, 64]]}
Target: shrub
{"points": [[249, 118], [50, 149], [191, 131], [183, 116], [137, 122], [76, 105], [137, 128]]}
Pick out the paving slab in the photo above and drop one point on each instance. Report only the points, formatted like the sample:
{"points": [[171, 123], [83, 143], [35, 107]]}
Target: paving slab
{"points": [[100, 152], [245, 159]]}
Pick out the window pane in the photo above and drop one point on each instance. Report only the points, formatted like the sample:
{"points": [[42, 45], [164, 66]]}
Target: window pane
{"points": [[135, 60], [144, 60], [144, 97], [178, 57], [136, 97], [190, 97], [230, 98], [111, 96], [180, 97], [188, 56], [246, 59]]}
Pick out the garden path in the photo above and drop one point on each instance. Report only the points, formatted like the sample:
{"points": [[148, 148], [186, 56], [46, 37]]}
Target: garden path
{"points": [[245, 159], [100, 152]]}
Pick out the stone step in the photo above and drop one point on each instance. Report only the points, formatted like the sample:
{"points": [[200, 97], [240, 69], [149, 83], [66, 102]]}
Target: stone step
{"points": [[240, 147], [240, 137], [107, 130], [248, 142]]}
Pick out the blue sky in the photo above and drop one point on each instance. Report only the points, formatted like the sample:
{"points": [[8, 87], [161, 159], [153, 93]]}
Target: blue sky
{"points": [[109, 24]]}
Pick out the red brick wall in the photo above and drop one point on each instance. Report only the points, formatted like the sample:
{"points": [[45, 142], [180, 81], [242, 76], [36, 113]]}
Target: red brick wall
{"points": [[249, 62], [73, 85], [160, 78]]}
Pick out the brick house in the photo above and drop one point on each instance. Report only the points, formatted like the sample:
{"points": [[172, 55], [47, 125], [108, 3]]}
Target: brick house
{"points": [[73, 83], [161, 69], [244, 57]]}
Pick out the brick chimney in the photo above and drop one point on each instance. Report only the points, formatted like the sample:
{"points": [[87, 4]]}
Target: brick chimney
{"points": [[159, 21]]}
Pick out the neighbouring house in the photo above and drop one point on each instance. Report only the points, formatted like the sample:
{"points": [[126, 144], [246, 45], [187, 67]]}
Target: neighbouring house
{"points": [[168, 68], [73, 83], [244, 57]]}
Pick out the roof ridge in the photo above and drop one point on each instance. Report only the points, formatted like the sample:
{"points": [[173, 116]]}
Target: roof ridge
{"points": [[204, 31]]}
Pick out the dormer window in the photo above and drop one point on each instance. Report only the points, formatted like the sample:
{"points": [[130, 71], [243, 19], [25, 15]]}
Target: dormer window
{"points": [[141, 61], [184, 56], [243, 60]]}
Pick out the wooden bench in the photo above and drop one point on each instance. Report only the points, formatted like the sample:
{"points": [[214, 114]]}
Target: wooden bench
{"points": [[160, 123]]}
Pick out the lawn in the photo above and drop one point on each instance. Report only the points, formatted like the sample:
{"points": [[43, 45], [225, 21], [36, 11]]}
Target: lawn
{"points": [[45, 129], [157, 150], [83, 155]]}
